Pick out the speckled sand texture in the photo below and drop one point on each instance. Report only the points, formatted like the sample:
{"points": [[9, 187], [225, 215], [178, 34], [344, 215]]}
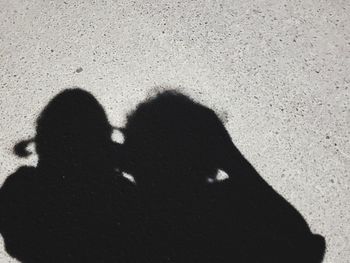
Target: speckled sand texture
{"points": [[277, 72]]}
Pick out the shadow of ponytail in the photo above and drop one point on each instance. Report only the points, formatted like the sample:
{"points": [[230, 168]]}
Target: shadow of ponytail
{"points": [[21, 148]]}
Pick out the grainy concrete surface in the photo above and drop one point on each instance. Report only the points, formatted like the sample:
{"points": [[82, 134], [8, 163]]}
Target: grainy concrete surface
{"points": [[277, 72]]}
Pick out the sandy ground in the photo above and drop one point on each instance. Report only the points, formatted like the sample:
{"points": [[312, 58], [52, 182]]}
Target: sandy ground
{"points": [[277, 72]]}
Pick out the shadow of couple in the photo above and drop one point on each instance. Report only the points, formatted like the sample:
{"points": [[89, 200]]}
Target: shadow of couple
{"points": [[76, 205]]}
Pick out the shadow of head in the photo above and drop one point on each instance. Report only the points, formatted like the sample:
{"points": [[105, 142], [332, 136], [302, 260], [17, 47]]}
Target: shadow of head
{"points": [[73, 128], [170, 138]]}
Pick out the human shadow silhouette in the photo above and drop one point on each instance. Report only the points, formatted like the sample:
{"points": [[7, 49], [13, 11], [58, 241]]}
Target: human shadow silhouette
{"points": [[74, 206], [173, 148]]}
